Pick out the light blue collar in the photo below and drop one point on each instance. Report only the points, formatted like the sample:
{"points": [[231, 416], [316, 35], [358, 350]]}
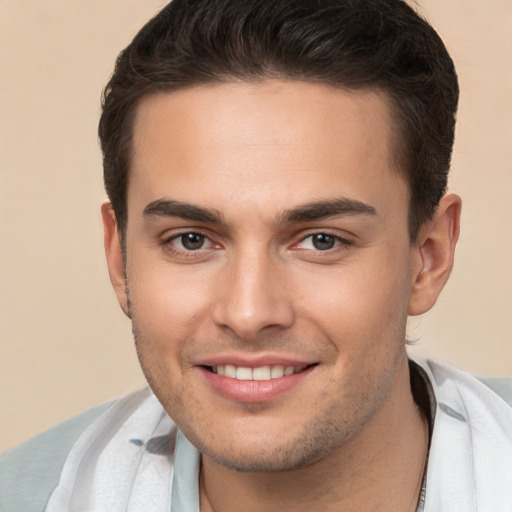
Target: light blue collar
{"points": [[185, 486]]}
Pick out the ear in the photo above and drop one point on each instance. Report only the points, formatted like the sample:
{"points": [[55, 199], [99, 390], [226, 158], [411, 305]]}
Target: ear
{"points": [[114, 253], [434, 253]]}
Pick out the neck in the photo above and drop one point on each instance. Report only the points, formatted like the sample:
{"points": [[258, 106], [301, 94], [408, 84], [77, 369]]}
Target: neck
{"points": [[381, 468]]}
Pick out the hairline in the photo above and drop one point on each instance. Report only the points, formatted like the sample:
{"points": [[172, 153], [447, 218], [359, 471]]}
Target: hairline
{"points": [[398, 154]]}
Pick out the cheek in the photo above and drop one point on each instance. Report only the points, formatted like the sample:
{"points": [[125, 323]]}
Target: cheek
{"points": [[365, 302], [167, 305], [165, 311]]}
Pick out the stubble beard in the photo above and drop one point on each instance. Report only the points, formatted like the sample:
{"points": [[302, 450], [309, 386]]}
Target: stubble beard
{"points": [[317, 440]]}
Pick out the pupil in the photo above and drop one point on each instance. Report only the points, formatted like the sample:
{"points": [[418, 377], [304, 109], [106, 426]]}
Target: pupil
{"points": [[192, 241], [322, 242]]}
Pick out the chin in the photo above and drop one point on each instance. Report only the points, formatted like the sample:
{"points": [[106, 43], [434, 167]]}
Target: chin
{"points": [[276, 453]]}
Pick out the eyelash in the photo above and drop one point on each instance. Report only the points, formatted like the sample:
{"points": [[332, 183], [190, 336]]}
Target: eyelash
{"points": [[340, 243], [168, 243]]}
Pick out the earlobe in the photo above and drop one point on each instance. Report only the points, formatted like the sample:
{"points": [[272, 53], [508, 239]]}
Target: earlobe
{"points": [[114, 254], [434, 255]]}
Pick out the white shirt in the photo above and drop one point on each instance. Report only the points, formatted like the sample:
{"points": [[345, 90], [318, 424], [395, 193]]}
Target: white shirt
{"points": [[134, 458]]}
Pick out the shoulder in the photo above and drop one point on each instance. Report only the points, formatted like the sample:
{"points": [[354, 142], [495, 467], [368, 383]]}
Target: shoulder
{"points": [[30, 472], [478, 400], [470, 458], [501, 386], [449, 382], [492, 391]]}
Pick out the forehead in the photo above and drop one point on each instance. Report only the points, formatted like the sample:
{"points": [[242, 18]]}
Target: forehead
{"points": [[283, 141]]}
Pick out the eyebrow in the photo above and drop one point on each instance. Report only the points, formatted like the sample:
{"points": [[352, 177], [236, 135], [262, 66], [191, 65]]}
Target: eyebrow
{"points": [[171, 208], [324, 209], [304, 213]]}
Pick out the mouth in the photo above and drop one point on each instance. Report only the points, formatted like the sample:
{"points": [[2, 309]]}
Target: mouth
{"points": [[261, 373], [258, 380]]}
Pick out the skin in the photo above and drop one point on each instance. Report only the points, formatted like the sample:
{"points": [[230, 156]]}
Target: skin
{"points": [[254, 158]]}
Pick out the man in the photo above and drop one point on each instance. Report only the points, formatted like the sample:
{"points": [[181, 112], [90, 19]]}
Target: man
{"points": [[277, 180]]}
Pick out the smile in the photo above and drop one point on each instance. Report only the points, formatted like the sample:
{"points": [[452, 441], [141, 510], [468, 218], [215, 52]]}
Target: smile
{"points": [[250, 384], [266, 372]]}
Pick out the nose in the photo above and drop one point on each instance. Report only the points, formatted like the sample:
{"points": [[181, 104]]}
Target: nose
{"points": [[253, 297]]}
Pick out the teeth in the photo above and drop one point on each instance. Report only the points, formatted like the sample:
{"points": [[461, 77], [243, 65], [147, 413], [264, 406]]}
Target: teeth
{"points": [[277, 371], [229, 371], [261, 373], [243, 373]]}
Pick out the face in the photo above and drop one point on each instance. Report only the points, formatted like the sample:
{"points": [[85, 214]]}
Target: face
{"points": [[268, 265]]}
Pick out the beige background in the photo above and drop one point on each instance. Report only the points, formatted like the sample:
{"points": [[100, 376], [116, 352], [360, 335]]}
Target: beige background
{"points": [[64, 344]]}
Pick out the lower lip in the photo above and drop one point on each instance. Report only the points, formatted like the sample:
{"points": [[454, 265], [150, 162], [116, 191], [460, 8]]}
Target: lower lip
{"points": [[253, 391]]}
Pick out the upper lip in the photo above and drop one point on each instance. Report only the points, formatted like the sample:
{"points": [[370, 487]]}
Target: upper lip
{"points": [[253, 360]]}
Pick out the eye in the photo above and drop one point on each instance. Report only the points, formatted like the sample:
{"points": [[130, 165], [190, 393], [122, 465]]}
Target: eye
{"points": [[321, 242], [190, 247], [189, 241]]}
